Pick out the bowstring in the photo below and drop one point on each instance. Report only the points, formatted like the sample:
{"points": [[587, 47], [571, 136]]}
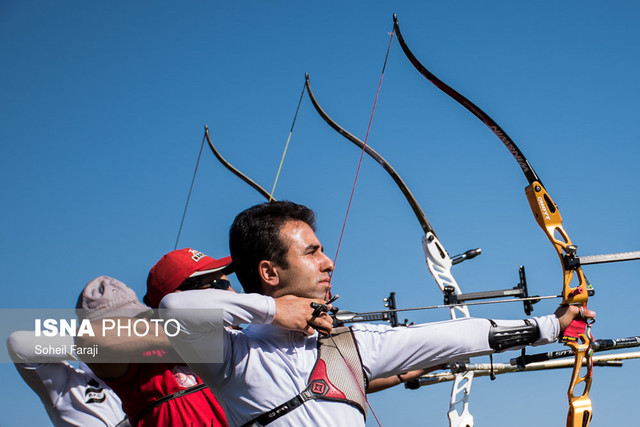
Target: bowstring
{"points": [[286, 146], [366, 138], [184, 214], [353, 189], [364, 393]]}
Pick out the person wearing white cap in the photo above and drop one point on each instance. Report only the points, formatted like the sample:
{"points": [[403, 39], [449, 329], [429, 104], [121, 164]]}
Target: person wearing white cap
{"points": [[279, 371], [75, 396], [155, 386]]}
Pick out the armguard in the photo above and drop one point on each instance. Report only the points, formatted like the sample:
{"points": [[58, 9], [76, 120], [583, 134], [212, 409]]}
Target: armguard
{"points": [[502, 338]]}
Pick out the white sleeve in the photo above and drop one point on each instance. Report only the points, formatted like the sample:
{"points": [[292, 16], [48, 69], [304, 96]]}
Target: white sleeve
{"points": [[46, 375], [202, 339], [238, 308], [388, 351], [48, 381], [25, 347], [549, 327]]}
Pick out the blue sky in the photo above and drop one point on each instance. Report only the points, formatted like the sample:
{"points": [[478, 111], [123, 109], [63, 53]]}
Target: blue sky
{"points": [[102, 113]]}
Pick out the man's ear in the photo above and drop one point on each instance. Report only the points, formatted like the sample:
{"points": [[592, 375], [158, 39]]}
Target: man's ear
{"points": [[268, 274]]}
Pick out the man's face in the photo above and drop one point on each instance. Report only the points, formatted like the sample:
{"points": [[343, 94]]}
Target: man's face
{"points": [[309, 269]]}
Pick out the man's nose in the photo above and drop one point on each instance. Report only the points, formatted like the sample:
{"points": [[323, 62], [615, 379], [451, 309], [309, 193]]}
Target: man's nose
{"points": [[327, 264]]}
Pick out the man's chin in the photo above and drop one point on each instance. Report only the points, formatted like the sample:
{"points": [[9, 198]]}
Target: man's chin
{"points": [[323, 295]]}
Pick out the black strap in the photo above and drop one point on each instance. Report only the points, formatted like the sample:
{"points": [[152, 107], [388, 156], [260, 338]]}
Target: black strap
{"points": [[135, 420], [502, 338], [285, 408]]}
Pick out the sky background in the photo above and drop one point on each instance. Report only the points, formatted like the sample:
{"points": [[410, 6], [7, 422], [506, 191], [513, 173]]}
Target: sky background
{"points": [[102, 111]]}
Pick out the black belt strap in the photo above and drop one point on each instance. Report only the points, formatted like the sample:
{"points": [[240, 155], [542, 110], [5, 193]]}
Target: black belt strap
{"points": [[281, 410], [164, 399]]}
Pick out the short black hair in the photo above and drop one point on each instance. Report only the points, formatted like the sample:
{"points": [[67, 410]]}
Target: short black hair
{"points": [[255, 236]]}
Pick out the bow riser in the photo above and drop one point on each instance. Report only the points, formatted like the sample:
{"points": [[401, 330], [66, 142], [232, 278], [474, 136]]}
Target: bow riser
{"points": [[439, 264], [549, 219], [460, 395], [579, 406]]}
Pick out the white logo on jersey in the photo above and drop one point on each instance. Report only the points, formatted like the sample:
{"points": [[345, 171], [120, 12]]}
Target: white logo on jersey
{"points": [[184, 376]]}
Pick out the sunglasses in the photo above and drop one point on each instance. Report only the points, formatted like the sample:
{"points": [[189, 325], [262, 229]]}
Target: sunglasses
{"points": [[194, 283]]}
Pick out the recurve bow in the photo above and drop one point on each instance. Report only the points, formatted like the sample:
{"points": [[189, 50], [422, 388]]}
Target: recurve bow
{"points": [[545, 211]]}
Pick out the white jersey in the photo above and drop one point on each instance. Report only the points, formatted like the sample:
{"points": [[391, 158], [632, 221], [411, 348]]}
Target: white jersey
{"points": [[265, 366], [72, 396]]}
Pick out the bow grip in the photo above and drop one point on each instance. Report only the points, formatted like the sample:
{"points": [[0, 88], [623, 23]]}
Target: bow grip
{"points": [[572, 332]]}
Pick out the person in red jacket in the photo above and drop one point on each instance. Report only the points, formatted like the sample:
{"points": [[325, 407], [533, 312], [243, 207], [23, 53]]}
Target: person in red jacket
{"points": [[156, 387]]}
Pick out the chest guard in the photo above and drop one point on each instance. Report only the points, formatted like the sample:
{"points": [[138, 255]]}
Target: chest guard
{"points": [[336, 376]]}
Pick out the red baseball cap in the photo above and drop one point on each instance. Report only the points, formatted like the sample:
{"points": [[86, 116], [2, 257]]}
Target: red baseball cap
{"points": [[176, 267]]}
